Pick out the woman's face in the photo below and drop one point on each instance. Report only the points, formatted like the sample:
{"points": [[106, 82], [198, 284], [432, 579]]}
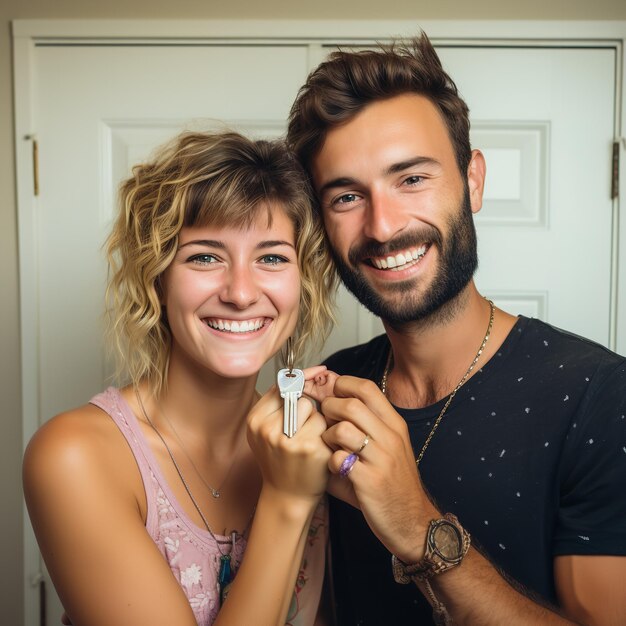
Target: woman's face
{"points": [[232, 295]]}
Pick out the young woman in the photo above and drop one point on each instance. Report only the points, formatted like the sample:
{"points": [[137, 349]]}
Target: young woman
{"points": [[145, 500]]}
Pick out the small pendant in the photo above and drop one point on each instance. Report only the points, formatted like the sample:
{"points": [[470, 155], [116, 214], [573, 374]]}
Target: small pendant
{"points": [[215, 493], [225, 572], [224, 577]]}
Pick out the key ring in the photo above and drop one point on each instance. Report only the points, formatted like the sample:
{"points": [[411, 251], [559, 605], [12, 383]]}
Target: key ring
{"points": [[290, 359]]}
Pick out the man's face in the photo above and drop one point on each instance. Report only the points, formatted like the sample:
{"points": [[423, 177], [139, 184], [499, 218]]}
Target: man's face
{"points": [[396, 209]]}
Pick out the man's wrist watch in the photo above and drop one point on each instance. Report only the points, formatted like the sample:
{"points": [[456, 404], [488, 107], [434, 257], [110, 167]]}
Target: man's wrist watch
{"points": [[447, 542]]}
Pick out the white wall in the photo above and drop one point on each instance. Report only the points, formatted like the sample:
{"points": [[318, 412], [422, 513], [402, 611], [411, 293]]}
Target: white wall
{"points": [[10, 423]]}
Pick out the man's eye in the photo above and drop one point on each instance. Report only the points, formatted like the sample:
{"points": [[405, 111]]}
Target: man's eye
{"points": [[346, 198], [202, 259], [273, 259], [413, 180]]}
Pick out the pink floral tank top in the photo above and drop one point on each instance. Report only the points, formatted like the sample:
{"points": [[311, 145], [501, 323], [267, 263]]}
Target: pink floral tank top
{"points": [[190, 551]]}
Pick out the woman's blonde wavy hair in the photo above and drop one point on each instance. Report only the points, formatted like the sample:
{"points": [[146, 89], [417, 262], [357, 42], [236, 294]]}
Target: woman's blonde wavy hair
{"points": [[203, 179]]}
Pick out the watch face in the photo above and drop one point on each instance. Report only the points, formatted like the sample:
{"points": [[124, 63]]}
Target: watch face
{"points": [[446, 541]]}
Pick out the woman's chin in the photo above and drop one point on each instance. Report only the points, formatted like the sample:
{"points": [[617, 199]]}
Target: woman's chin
{"points": [[240, 368]]}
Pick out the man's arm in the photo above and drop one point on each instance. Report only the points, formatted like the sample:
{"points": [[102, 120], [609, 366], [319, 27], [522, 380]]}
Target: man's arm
{"points": [[592, 589], [386, 486]]}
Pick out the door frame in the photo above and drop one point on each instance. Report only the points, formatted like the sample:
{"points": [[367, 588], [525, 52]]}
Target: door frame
{"points": [[27, 34]]}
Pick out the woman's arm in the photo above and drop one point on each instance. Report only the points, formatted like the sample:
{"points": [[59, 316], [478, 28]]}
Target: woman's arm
{"points": [[294, 479], [86, 514]]}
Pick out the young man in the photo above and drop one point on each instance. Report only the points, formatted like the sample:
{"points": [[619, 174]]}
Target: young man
{"points": [[488, 455]]}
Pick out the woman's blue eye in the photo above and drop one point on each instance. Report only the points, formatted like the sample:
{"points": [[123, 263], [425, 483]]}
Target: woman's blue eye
{"points": [[273, 259], [202, 259]]}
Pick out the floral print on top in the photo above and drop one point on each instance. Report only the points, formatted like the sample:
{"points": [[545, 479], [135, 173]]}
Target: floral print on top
{"points": [[190, 551]]}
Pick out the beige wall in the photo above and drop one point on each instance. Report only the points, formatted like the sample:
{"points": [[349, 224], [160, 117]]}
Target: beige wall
{"points": [[10, 424]]}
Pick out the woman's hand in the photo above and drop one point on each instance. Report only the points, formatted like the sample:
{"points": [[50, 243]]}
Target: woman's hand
{"points": [[296, 466]]}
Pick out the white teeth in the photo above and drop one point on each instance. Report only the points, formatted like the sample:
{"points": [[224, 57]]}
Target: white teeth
{"points": [[233, 326], [400, 259]]}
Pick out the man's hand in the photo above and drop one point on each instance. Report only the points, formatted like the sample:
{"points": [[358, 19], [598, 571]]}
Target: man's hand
{"points": [[384, 482]]}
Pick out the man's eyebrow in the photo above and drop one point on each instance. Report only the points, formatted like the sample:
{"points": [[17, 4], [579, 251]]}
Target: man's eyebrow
{"points": [[396, 168], [336, 183]]}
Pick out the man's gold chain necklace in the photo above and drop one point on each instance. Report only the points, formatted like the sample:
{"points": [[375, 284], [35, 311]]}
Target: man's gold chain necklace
{"points": [[383, 382]]}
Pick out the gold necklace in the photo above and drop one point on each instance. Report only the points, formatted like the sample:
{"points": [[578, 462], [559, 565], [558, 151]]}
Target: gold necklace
{"points": [[226, 572], [383, 382]]}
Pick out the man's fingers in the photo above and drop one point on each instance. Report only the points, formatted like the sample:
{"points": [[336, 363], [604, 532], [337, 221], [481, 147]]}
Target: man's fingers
{"points": [[368, 393], [346, 436], [353, 411]]}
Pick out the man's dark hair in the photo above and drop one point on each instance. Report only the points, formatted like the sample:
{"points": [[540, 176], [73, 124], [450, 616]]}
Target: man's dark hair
{"points": [[342, 86]]}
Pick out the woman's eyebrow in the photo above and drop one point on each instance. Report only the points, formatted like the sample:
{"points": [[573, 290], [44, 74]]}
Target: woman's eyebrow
{"points": [[209, 243], [214, 243], [271, 243]]}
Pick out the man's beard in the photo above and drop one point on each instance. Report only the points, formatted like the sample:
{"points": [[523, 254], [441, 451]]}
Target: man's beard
{"points": [[458, 260]]}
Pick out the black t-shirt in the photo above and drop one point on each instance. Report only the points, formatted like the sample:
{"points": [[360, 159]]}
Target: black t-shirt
{"points": [[530, 456]]}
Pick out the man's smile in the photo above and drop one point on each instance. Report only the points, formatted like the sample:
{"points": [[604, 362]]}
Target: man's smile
{"points": [[401, 260]]}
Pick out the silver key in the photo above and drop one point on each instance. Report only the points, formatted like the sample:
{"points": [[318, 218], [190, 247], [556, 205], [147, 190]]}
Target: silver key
{"points": [[290, 385]]}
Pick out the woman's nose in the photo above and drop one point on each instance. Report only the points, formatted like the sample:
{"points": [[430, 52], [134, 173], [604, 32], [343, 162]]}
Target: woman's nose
{"points": [[241, 289]]}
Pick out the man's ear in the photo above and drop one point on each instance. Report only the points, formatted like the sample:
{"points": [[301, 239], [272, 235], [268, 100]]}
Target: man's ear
{"points": [[476, 172]]}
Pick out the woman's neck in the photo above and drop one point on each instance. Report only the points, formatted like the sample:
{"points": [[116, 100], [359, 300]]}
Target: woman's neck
{"points": [[203, 407]]}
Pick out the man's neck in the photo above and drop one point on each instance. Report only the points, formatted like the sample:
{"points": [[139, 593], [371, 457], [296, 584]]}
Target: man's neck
{"points": [[431, 357]]}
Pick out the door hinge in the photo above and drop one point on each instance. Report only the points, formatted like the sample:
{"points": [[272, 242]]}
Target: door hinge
{"points": [[35, 149], [615, 171]]}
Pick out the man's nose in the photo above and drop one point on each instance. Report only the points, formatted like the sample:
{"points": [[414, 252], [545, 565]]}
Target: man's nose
{"points": [[384, 217], [241, 288]]}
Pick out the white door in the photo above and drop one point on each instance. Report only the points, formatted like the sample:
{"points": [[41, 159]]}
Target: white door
{"points": [[544, 118]]}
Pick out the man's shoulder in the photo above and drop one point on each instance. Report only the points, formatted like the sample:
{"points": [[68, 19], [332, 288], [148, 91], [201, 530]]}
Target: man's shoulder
{"points": [[558, 356], [366, 360], [560, 342]]}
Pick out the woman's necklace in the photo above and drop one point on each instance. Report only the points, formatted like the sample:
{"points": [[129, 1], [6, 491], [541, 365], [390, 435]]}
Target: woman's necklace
{"points": [[216, 493], [383, 382], [226, 571]]}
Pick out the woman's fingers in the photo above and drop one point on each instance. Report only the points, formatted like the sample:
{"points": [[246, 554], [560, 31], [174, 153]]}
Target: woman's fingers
{"points": [[321, 386], [310, 373]]}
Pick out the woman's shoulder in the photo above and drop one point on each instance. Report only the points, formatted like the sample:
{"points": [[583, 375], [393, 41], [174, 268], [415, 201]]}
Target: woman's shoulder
{"points": [[79, 444], [74, 432]]}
